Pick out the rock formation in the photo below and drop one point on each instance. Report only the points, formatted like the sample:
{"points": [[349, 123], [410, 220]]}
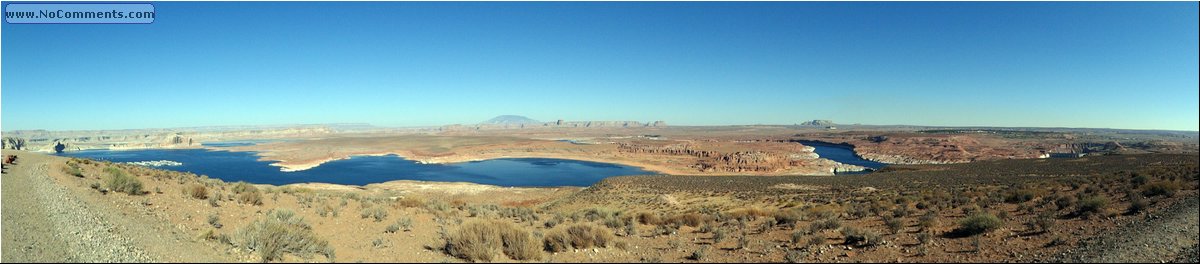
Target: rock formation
{"points": [[14, 143]]}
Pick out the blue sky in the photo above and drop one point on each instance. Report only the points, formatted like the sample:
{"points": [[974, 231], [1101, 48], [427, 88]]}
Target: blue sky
{"points": [[1111, 65]]}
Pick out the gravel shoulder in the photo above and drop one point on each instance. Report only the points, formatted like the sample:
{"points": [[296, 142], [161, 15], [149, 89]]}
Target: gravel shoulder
{"points": [[1170, 235], [43, 221]]}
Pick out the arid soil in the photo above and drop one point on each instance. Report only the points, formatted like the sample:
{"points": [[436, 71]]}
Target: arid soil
{"points": [[46, 221], [1095, 208]]}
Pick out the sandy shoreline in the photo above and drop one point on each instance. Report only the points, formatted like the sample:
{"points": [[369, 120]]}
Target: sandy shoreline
{"points": [[289, 166]]}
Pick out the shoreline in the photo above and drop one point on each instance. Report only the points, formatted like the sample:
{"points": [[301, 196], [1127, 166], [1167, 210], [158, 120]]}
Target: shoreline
{"points": [[290, 166]]}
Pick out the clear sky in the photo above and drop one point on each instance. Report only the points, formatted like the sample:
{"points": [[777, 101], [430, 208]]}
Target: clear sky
{"points": [[1110, 65]]}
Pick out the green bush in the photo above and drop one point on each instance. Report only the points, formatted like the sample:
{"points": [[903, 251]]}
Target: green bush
{"points": [[119, 181], [978, 224]]}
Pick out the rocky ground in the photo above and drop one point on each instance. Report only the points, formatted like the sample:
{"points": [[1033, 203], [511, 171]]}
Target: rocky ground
{"points": [[44, 222], [1169, 236]]}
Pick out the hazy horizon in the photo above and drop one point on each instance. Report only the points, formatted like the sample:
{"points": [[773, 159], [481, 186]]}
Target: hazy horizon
{"points": [[643, 121], [1052, 65]]}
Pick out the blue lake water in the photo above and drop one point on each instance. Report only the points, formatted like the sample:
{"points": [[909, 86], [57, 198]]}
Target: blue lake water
{"points": [[362, 170], [841, 153]]}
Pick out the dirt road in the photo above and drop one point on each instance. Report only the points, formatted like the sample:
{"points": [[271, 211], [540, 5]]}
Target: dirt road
{"points": [[44, 222]]}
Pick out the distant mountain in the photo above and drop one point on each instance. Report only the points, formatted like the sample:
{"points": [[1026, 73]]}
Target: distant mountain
{"points": [[510, 119], [817, 123]]}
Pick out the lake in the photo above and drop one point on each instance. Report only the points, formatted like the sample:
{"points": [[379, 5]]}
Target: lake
{"points": [[361, 170], [841, 153]]}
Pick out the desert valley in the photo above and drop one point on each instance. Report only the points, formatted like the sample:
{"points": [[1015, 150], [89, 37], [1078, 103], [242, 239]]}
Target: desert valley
{"points": [[708, 194]]}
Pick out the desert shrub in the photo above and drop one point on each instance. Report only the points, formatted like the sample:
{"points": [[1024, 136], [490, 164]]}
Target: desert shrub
{"points": [[927, 220], [971, 209], [689, 219], [325, 209], [675, 244], [1064, 202], [1167, 188], [797, 237], [665, 229], [212, 199], [719, 235], [410, 202], [436, 206], [795, 256], [404, 223], [822, 212], [978, 224], [894, 224], [241, 187], [788, 218], [767, 225], [579, 236], [214, 220], [196, 190], [743, 241], [699, 254], [1137, 203], [1138, 180], [924, 238], [815, 241], [750, 213], [376, 212], [649, 218], [524, 214], [558, 219], [481, 240], [119, 181], [73, 170], [250, 198], [861, 237], [1091, 205], [827, 224], [1056, 242], [280, 232], [631, 229], [1020, 195], [1042, 223], [622, 245], [859, 211], [595, 214]]}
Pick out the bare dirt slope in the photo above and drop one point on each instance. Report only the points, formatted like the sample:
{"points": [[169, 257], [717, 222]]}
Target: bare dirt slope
{"points": [[1159, 237], [44, 222]]}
